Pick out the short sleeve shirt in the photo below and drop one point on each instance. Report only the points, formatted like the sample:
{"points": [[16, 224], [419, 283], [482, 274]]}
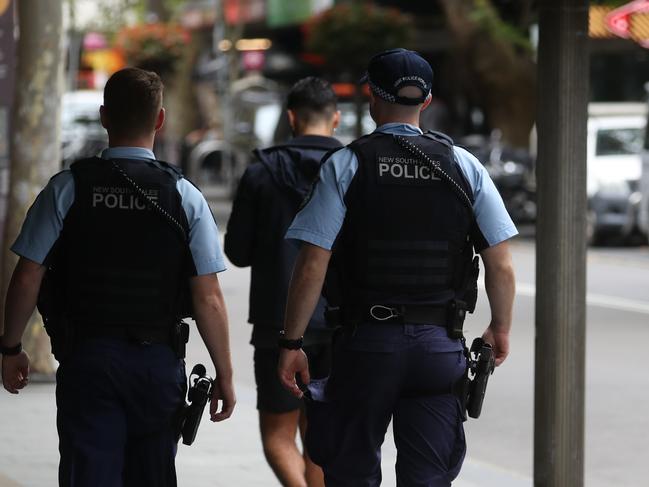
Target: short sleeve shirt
{"points": [[321, 219], [44, 220]]}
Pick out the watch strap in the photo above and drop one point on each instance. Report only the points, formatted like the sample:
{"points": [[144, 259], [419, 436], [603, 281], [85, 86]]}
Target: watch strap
{"points": [[15, 350], [289, 344]]}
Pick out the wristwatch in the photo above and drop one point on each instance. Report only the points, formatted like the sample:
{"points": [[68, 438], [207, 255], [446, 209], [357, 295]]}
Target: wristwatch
{"points": [[289, 344], [15, 350]]}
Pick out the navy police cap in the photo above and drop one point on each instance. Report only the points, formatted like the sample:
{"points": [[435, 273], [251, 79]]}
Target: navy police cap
{"points": [[391, 70]]}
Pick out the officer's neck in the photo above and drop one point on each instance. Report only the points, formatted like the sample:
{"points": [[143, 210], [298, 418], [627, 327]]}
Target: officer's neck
{"points": [[145, 141], [387, 118], [321, 129]]}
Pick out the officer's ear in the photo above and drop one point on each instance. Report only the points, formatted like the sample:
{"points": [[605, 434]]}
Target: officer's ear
{"points": [[103, 117], [336, 119], [427, 101], [160, 120], [291, 119]]}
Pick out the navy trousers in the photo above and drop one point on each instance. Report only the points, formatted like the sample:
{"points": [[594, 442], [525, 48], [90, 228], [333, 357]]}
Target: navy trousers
{"points": [[117, 402], [402, 373]]}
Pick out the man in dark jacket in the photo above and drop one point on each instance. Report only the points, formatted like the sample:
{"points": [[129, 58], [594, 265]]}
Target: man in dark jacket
{"points": [[269, 195]]}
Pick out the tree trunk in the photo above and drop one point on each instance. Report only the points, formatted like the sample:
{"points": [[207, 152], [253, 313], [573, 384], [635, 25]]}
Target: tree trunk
{"points": [[35, 140], [180, 101], [499, 77]]}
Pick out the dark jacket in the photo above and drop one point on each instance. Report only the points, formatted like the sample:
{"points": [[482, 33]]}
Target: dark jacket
{"points": [[269, 195]]}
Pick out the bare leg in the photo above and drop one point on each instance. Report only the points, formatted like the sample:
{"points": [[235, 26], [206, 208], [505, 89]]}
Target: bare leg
{"points": [[278, 433], [313, 473]]}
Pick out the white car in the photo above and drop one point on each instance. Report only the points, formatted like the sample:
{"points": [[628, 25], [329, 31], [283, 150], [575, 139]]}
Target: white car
{"points": [[615, 139]]}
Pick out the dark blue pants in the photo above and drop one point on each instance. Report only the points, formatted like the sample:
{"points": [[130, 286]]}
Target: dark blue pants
{"points": [[383, 372], [117, 403]]}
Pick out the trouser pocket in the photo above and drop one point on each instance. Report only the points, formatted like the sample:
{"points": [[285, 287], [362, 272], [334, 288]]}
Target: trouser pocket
{"points": [[320, 435]]}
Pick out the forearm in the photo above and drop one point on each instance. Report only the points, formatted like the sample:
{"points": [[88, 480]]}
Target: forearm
{"points": [[501, 288], [212, 323], [21, 299], [304, 291]]}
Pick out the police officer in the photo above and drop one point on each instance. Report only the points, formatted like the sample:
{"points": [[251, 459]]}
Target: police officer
{"points": [[123, 236], [402, 212], [269, 195]]}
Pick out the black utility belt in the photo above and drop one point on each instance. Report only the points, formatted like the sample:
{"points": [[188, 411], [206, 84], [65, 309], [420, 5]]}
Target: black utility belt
{"points": [[175, 336], [450, 316], [124, 332], [411, 314]]}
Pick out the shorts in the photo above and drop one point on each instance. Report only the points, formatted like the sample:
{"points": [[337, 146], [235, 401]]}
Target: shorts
{"points": [[271, 395]]}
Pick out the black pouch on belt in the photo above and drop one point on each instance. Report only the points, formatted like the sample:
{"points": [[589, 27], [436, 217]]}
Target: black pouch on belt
{"points": [[455, 315], [179, 338]]}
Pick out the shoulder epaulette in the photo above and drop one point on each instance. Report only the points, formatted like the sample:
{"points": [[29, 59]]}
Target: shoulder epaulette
{"points": [[82, 162], [439, 137], [171, 168]]}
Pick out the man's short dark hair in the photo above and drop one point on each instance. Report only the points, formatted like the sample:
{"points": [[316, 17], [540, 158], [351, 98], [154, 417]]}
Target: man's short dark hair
{"points": [[312, 99], [132, 101]]}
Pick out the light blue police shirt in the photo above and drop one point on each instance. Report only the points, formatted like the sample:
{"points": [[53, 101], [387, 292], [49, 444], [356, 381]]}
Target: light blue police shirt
{"points": [[320, 221], [44, 220]]}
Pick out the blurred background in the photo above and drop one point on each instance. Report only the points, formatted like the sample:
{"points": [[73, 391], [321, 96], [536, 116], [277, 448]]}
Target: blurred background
{"points": [[227, 65]]}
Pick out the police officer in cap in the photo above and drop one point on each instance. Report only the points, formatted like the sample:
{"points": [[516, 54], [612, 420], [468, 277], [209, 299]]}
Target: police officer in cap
{"points": [[122, 243], [393, 221]]}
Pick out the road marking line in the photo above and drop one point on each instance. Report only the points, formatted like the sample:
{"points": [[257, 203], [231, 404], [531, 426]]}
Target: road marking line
{"points": [[592, 299]]}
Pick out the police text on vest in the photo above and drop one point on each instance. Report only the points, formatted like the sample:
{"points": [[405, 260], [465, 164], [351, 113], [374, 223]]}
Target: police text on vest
{"points": [[120, 198]]}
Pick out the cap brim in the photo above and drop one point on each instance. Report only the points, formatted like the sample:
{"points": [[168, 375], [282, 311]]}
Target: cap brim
{"points": [[364, 79]]}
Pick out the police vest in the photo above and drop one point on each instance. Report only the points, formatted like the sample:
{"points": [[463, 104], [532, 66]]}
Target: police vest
{"points": [[123, 263], [405, 237]]}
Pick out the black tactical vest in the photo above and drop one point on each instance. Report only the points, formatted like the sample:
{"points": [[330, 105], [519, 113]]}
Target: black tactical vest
{"points": [[123, 263], [405, 237]]}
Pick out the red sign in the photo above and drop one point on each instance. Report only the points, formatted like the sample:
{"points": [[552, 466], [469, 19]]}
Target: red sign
{"points": [[244, 11], [631, 21]]}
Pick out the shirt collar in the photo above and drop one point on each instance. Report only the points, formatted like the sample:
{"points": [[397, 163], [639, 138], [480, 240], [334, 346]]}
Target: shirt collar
{"points": [[399, 128], [127, 153]]}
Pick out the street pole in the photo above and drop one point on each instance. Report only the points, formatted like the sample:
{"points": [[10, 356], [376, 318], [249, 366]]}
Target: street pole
{"points": [[561, 244]]}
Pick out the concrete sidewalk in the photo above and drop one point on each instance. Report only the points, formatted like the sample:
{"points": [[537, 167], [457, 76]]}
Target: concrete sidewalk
{"points": [[224, 454]]}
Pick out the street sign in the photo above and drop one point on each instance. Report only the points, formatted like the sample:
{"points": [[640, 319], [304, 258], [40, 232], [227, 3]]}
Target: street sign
{"points": [[631, 21]]}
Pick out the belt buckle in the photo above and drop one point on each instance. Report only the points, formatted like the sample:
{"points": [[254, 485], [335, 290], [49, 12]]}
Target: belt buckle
{"points": [[393, 312]]}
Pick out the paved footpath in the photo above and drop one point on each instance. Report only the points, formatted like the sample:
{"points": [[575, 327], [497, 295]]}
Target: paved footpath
{"points": [[223, 455]]}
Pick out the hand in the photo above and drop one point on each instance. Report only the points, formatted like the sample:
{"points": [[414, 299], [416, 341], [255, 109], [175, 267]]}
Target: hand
{"points": [[293, 362], [222, 390], [15, 371], [499, 340]]}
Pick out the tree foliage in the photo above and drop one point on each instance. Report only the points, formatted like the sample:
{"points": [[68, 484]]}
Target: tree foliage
{"points": [[495, 63], [347, 35]]}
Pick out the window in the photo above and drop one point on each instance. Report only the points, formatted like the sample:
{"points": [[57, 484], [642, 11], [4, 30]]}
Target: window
{"points": [[622, 141]]}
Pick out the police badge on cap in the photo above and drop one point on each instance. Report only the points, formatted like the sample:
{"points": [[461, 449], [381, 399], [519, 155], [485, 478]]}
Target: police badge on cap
{"points": [[389, 71]]}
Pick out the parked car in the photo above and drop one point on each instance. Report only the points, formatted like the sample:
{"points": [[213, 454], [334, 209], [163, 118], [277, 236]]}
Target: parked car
{"points": [[81, 132], [614, 144], [643, 213]]}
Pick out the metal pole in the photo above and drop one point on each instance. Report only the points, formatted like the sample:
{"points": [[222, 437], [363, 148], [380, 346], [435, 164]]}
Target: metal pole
{"points": [[561, 244]]}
